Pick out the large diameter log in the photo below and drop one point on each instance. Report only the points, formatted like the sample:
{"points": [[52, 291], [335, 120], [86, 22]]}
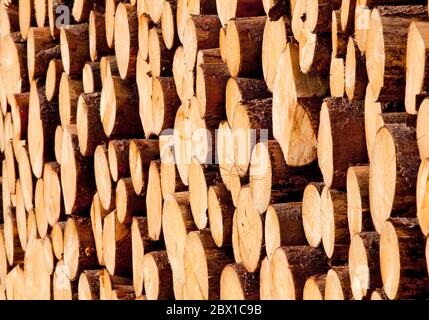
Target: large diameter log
{"points": [[364, 264], [237, 9], [201, 32], [119, 108], [43, 119], [158, 278], [402, 260], [69, 92], [79, 247], [393, 173], [203, 263], [117, 246], [238, 284], [77, 174], [53, 200], [340, 146], [311, 213], [283, 226], [89, 127], [41, 48], [103, 180], [177, 222], [126, 34], [74, 48], [359, 217], [244, 46], [98, 46], [290, 268], [220, 212]]}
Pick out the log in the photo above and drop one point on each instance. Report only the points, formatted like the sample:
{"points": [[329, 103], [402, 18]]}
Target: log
{"points": [[311, 213], [154, 9], [165, 103], [97, 214], [117, 246], [39, 209], [89, 285], [337, 286], [421, 197], [393, 173], [364, 264], [89, 127], [339, 37], [41, 49], [145, 24], [19, 113], [74, 48], [238, 284], [77, 174], [108, 67], [154, 201], [168, 23], [103, 180], [98, 45], [118, 153], [126, 34], [336, 77], [26, 16], [79, 247], [110, 283], [265, 280], [160, 58], [57, 237], [315, 52], [91, 77], [69, 91], [144, 86], [359, 217], [53, 77], [290, 268], [109, 20], [53, 200], [356, 78], [283, 226], [203, 263], [402, 262], [128, 203], [158, 278], [318, 15], [14, 251], [58, 16], [238, 9], [336, 155], [178, 69], [244, 46], [26, 178], [314, 287]]}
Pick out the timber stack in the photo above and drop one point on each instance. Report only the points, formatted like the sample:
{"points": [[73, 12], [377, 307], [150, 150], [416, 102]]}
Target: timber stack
{"points": [[214, 149]]}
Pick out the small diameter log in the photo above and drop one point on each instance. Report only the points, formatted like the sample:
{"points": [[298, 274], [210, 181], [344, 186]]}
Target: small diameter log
{"points": [[53, 200], [339, 37], [119, 108], [69, 91], [145, 24], [128, 203], [311, 213], [356, 78], [177, 222], [110, 283], [39, 209], [19, 112], [393, 173], [283, 226], [318, 15], [11, 171], [126, 37], [238, 284], [154, 201], [333, 215], [141, 153], [340, 146], [269, 175], [103, 180], [117, 246], [82, 8], [416, 76], [77, 174], [118, 152], [108, 67], [336, 77], [203, 263], [74, 48], [290, 268], [422, 122], [9, 18], [265, 280], [238, 8], [160, 58], [359, 217], [109, 21], [98, 46], [422, 197], [211, 80], [14, 64], [158, 278], [53, 77], [41, 49], [337, 286], [364, 264], [165, 103], [26, 178], [89, 285], [90, 131], [178, 69], [220, 212], [43, 119], [274, 42], [402, 260], [168, 23], [315, 52], [14, 251], [144, 87], [91, 77], [3, 259], [56, 16], [201, 32], [154, 9], [98, 213], [244, 46], [314, 287], [57, 237], [79, 246], [62, 287], [250, 231]]}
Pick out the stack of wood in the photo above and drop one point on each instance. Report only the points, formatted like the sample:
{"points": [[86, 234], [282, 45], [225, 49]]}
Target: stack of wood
{"points": [[214, 149]]}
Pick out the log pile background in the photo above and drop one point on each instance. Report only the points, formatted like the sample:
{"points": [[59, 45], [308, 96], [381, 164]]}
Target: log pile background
{"points": [[214, 149]]}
